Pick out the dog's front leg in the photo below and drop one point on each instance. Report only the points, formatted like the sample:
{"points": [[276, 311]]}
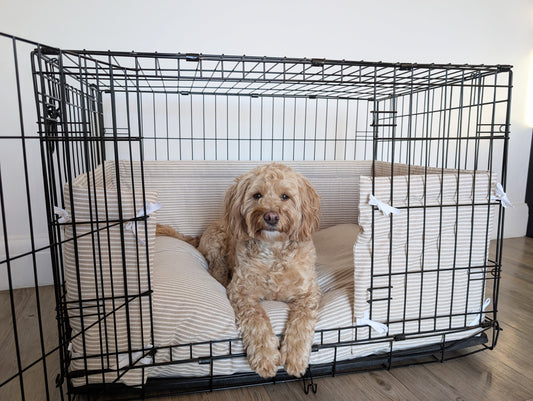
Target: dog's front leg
{"points": [[299, 333], [260, 342]]}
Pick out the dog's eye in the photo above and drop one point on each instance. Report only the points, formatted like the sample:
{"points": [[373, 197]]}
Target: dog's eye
{"points": [[285, 197], [258, 196]]}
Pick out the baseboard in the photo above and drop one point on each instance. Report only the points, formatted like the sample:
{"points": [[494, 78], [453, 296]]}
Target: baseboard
{"points": [[22, 265]]}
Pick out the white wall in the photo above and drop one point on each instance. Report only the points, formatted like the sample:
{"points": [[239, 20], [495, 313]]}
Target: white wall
{"points": [[452, 31]]}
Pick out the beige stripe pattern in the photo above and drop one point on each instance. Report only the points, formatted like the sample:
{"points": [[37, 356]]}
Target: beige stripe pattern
{"points": [[192, 192], [107, 274], [422, 271], [192, 307]]}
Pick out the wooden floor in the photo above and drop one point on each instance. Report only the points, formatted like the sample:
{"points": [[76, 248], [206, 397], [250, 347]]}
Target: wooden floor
{"points": [[503, 374]]}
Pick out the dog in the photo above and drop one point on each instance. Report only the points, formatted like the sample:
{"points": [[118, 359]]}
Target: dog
{"points": [[262, 249]]}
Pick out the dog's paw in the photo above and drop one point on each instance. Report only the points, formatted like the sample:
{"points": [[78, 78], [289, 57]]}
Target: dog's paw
{"points": [[265, 362], [295, 361]]}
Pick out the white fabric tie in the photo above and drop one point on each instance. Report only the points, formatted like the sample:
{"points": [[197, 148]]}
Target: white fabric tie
{"points": [[477, 319], [124, 359], [64, 217], [385, 208], [380, 328], [143, 211], [502, 196]]}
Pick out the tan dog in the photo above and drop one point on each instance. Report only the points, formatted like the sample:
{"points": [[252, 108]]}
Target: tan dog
{"points": [[261, 249]]}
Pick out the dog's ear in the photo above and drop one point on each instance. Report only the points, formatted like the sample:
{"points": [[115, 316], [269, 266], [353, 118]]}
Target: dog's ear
{"points": [[310, 211], [232, 209]]}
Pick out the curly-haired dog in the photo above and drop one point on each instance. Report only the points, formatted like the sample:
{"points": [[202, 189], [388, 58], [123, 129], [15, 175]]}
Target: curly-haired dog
{"points": [[261, 249]]}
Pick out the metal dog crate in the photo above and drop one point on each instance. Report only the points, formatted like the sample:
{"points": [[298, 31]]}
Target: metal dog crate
{"points": [[97, 106]]}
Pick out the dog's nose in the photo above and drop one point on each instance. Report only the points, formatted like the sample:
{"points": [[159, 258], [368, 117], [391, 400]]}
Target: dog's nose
{"points": [[271, 218]]}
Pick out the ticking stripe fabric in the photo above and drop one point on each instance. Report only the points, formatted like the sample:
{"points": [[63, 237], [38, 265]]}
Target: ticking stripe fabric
{"points": [[107, 275], [420, 273], [191, 307], [192, 192]]}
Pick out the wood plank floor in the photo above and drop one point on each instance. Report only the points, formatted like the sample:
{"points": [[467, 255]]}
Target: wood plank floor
{"points": [[503, 374]]}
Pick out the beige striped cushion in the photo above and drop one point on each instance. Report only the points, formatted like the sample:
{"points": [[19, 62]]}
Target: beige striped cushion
{"points": [[97, 271], [427, 252], [192, 192], [185, 296], [190, 306]]}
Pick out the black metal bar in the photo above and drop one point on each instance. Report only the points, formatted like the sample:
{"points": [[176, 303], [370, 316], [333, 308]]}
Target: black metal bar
{"points": [[121, 216], [501, 211], [11, 293], [45, 151], [30, 222]]}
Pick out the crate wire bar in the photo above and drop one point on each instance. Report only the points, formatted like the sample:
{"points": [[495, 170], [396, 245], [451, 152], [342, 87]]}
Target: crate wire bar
{"points": [[96, 109]]}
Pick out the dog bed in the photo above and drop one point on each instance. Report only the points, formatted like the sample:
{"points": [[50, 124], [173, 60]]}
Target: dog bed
{"points": [[142, 306]]}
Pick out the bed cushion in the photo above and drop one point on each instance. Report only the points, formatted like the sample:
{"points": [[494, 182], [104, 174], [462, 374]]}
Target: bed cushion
{"points": [[422, 271], [107, 275], [190, 306], [206, 182]]}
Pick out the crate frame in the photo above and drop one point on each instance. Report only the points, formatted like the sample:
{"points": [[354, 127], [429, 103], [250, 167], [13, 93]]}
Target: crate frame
{"points": [[81, 97]]}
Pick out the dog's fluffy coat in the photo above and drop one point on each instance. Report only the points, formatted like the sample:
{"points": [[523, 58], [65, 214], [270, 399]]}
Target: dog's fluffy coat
{"points": [[261, 249]]}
